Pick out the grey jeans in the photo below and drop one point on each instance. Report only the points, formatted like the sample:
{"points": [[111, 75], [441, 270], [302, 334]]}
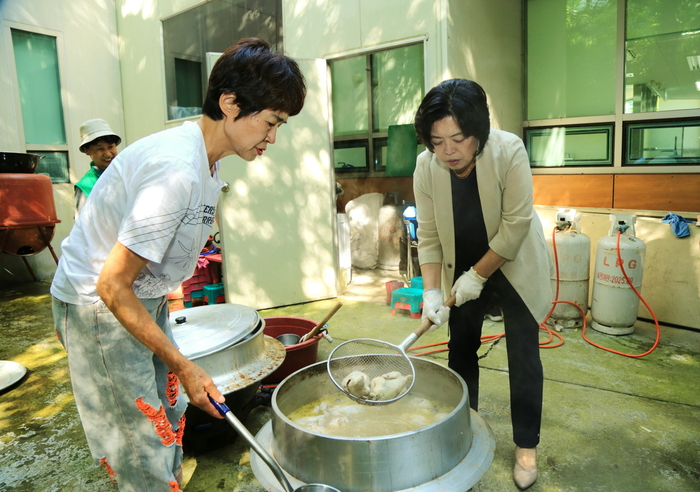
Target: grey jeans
{"points": [[128, 401]]}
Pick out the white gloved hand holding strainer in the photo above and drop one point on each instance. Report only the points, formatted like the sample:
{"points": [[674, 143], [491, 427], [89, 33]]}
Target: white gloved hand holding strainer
{"points": [[434, 309], [468, 287]]}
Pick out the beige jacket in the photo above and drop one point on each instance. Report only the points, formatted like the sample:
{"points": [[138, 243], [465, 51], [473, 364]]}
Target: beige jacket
{"points": [[513, 227]]}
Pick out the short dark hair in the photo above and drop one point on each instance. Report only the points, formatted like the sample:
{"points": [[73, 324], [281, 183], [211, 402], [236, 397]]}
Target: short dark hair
{"points": [[109, 139], [260, 79], [465, 101]]}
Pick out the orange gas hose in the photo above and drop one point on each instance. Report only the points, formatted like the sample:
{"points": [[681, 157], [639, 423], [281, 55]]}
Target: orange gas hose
{"points": [[552, 334], [543, 326], [656, 321]]}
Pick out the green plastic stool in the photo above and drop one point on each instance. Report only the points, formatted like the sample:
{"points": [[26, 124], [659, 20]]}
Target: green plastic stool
{"points": [[409, 299]]}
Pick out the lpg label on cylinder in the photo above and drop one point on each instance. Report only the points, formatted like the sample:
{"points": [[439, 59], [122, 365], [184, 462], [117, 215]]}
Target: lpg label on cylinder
{"points": [[610, 273]]}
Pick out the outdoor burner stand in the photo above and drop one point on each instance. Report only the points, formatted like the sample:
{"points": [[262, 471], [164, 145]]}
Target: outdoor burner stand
{"points": [[6, 231]]}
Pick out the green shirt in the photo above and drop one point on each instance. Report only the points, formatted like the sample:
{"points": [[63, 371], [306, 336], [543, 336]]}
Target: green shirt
{"points": [[88, 181]]}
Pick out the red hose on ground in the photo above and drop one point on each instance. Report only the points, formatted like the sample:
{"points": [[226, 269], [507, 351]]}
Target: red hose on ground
{"points": [[552, 334]]}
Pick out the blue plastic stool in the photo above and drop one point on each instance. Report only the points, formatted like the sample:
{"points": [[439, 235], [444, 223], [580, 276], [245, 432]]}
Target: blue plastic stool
{"points": [[409, 299]]}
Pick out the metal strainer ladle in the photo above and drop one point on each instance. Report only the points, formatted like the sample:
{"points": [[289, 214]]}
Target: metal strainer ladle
{"points": [[266, 457], [355, 363]]}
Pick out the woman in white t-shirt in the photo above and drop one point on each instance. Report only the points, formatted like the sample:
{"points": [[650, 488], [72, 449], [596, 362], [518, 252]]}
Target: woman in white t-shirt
{"points": [[137, 239]]}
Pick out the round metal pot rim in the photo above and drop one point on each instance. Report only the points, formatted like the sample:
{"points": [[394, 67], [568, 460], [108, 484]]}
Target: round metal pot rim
{"points": [[244, 363], [201, 331], [381, 463]]}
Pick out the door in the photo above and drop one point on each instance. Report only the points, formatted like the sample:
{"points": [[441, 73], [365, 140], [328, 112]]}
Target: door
{"points": [[278, 220]]}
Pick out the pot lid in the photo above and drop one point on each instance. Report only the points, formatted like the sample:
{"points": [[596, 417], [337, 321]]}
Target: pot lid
{"points": [[204, 330], [10, 373]]}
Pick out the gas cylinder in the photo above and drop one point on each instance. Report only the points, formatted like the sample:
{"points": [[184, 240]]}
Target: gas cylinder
{"points": [[614, 305], [573, 256]]}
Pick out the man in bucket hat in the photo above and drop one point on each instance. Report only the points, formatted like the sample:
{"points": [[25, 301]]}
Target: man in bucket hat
{"points": [[99, 142]]}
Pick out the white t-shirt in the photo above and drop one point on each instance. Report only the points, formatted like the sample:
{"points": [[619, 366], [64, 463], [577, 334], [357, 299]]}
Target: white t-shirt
{"points": [[158, 199]]}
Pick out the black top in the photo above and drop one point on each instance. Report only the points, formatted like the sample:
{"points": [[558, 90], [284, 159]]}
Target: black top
{"points": [[471, 241]]}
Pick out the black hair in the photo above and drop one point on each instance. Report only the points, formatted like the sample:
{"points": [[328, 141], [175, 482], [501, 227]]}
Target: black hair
{"points": [[465, 101], [258, 77], [109, 139]]}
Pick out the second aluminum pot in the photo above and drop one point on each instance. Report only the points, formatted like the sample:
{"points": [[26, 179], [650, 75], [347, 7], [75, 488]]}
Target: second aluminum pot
{"points": [[228, 342]]}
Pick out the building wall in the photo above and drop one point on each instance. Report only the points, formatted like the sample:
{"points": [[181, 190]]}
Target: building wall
{"points": [[332, 27], [485, 45], [141, 59], [661, 193], [475, 40], [87, 42], [478, 40]]}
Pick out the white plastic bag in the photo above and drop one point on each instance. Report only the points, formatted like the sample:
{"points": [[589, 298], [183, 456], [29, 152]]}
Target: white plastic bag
{"points": [[363, 212]]}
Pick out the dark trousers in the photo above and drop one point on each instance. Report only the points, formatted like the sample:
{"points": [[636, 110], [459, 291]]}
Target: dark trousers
{"points": [[524, 365]]}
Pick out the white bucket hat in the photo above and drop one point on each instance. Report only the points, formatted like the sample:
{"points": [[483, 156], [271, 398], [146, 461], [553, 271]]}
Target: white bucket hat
{"points": [[94, 129]]}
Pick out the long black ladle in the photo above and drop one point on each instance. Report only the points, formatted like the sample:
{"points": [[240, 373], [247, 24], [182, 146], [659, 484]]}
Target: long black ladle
{"points": [[266, 457]]}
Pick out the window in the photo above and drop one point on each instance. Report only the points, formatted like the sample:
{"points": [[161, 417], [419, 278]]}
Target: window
{"points": [[39, 84], [570, 146], [210, 28], [627, 71], [188, 83], [663, 143], [351, 155], [571, 58], [370, 94], [662, 53]]}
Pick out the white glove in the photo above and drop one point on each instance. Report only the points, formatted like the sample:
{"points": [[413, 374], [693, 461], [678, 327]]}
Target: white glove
{"points": [[434, 310], [468, 287]]}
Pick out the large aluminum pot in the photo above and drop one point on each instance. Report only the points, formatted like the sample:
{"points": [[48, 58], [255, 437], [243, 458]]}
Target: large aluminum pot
{"points": [[376, 464], [228, 342]]}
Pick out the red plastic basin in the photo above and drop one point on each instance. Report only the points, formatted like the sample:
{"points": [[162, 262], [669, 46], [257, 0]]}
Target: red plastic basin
{"points": [[26, 200], [299, 355]]}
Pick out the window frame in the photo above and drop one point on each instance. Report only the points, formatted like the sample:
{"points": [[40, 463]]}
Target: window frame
{"points": [[205, 61], [374, 171], [8, 26], [572, 130], [659, 124], [619, 120]]}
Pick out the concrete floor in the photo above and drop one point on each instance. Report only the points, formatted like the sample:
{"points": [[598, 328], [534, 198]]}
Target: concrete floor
{"points": [[610, 423]]}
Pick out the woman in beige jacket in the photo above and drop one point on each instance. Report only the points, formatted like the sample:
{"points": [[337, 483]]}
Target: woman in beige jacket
{"points": [[478, 234]]}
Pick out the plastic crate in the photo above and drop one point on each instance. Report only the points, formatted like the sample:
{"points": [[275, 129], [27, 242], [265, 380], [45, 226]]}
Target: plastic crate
{"points": [[203, 275]]}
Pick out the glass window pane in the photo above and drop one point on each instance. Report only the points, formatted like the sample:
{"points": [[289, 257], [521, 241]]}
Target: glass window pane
{"points": [[571, 53], [349, 94], [55, 165], [212, 27], [571, 146], [662, 56], [36, 60], [397, 86], [653, 17], [188, 81], [351, 155], [663, 143], [380, 153]]}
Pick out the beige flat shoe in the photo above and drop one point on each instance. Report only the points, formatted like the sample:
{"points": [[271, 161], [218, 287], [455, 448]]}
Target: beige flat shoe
{"points": [[525, 477]]}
